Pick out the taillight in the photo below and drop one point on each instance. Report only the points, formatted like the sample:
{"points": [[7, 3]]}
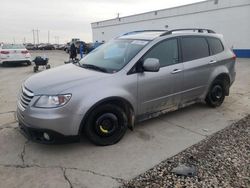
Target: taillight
{"points": [[24, 52], [4, 52], [234, 57]]}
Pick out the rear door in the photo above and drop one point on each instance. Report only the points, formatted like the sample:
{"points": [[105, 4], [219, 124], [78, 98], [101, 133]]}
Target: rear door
{"points": [[196, 61], [161, 90]]}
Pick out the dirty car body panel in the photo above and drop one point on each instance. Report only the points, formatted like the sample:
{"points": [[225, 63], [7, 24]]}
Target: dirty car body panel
{"points": [[178, 82]]}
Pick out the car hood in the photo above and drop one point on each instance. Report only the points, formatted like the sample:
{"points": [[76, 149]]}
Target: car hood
{"points": [[56, 80]]}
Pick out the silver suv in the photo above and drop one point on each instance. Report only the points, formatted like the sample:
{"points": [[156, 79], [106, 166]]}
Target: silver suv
{"points": [[134, 77]]}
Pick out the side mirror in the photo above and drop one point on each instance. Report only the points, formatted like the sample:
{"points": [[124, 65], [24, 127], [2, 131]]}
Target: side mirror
{"points": [[151, 65]]}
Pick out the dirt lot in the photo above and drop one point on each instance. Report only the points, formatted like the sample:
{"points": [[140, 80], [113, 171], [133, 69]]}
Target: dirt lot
{"points": [[27, 164]]}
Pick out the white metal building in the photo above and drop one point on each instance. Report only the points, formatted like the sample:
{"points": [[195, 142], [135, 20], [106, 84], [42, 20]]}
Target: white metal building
{"points": [[228, 17]]}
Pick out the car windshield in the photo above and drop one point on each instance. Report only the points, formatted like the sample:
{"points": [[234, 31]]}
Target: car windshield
{"points": [[13, 46], [112, 56]]}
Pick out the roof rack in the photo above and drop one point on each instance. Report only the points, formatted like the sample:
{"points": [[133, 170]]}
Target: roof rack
{"points": [[141, 31], [199, 30]]}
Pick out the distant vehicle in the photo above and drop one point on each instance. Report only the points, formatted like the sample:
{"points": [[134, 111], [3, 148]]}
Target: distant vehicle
{"points": [[77, 45], [46, 47], [67, 47], [132, 78], [30, 46], [14, 53], [59, 46], [92, 46], [76, 41]]}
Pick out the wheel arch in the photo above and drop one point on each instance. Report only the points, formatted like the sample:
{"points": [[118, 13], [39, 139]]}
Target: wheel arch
{"points": [[119, 101], [226, 79]]}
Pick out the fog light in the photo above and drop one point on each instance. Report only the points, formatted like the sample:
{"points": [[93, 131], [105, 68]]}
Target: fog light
{"points": [[46, 136]]}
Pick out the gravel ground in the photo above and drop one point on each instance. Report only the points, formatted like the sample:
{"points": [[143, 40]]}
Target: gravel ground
{"points": [[221, 160]]}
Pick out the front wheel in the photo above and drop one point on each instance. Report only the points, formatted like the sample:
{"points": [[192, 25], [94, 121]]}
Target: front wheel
{"points": [[106, 125], [216, 94]]}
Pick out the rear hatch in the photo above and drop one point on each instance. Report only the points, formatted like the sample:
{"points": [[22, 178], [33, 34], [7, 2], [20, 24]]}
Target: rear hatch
{"points": [[14, 52]]}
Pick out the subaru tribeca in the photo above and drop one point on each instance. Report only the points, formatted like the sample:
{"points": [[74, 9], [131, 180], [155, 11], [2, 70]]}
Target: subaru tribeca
{"points": [[134, 77]]}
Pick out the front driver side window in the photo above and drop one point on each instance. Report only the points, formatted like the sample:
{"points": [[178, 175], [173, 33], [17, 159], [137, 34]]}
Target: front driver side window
{"points": [[166, 52]]}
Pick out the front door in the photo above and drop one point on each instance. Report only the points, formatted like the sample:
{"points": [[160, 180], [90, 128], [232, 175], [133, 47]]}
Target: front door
{"points": [[161, 90]]}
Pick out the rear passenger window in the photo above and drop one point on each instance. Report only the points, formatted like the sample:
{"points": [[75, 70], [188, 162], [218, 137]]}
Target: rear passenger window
{"points": [[194, 48], [166, 52], [215, 45]]}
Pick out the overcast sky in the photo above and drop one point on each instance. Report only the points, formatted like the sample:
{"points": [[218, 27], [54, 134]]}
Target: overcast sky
{"points": [[67, 18]]}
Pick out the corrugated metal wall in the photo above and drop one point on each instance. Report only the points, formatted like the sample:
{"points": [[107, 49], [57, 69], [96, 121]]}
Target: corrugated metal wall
{"points": [[228, 17]]}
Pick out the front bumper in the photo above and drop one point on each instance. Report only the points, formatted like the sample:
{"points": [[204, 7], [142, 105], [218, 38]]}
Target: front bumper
{"points": [[61, 128], [37, 135]]}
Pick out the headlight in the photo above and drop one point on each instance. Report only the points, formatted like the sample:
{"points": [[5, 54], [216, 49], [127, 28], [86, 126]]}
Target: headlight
{"points": [[52, 101]]}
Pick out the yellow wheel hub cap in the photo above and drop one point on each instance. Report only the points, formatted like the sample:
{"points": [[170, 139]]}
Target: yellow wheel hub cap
{"points": [[103, 130]]}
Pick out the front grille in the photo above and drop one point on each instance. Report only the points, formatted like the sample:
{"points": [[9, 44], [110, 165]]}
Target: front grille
{"points": [[25, 98]]}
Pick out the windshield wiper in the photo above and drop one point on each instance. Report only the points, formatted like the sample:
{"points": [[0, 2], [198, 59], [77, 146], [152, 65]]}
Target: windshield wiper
{"points": [[94, 67]]}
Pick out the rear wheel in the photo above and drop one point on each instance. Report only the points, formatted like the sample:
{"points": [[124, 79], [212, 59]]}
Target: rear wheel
{"points": [[216, 94], [28, 63], [106, 125]]}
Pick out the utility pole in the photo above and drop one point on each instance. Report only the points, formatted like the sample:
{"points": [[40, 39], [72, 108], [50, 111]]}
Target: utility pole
{"points": [[37, 34], [34, 37], [48, 36]]}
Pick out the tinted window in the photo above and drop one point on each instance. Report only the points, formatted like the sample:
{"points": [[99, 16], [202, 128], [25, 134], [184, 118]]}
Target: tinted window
{"points": [[166, 52], [114, 55], [194, 48], [215, 45]]}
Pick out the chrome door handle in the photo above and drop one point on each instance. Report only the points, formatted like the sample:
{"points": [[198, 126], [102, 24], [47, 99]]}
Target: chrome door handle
{"points": [[212, 62], [176, 71]]}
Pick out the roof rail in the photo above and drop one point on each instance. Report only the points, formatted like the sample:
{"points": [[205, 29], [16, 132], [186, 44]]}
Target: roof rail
{"points": [[199, 30], [141, 31]]}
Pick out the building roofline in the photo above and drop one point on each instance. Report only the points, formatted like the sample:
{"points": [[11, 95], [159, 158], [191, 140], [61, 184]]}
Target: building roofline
{"points": [[181, 6]]}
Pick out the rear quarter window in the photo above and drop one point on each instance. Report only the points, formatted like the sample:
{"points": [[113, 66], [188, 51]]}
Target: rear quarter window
{"points": [[194, 48], [215, 45]]}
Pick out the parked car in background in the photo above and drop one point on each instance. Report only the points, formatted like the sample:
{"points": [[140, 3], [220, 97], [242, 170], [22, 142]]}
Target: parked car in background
{"points": [[92, 46], [46, 47], [132, 78], [14, 53], [30, 46], [67, 47], [59, 46], [78, 43]]}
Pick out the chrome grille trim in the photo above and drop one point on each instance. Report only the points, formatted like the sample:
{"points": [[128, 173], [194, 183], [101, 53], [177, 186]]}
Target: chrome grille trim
{"points": [[25, 97], [27, 92]]}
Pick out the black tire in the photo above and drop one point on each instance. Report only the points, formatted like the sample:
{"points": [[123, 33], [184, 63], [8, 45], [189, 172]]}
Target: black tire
{"points": [[106, 125], [47, 66], [216, 94], [28, 63]]}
